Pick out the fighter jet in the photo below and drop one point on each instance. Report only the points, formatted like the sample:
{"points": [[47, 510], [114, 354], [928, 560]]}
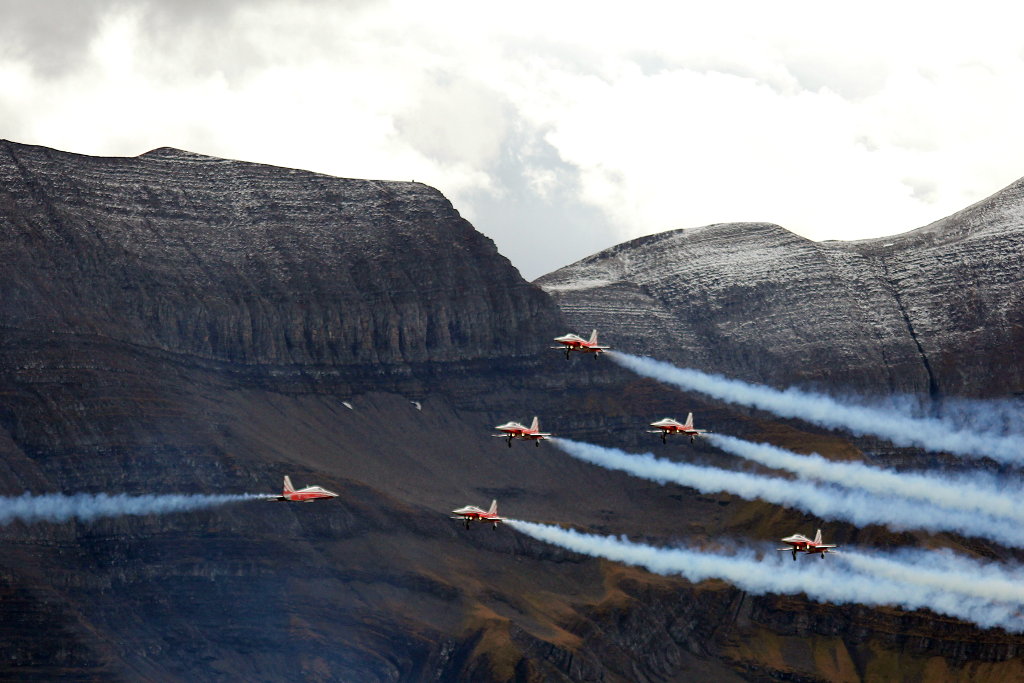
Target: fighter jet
{"points": [[470, 513], [668, 426], [306, 495], [514, 430], [570, 342], [801, 544]]}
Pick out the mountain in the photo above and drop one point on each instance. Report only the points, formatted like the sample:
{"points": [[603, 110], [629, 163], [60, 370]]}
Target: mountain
{"points": [[180, 323], [937, 311]]}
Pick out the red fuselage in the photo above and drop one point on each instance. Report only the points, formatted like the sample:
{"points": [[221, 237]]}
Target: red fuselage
{"points": [[306, 495], [580, 345]]}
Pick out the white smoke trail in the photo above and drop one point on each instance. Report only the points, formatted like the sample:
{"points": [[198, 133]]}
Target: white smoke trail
{"points": [[85, 507], [944, 570], [957, 492], [993, 416], [820, 581], [823, 500], [1000, 416], [826, 411]]}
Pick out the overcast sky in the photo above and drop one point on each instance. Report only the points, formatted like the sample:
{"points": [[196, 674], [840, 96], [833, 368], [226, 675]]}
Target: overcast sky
{"points": [[557, 128]]}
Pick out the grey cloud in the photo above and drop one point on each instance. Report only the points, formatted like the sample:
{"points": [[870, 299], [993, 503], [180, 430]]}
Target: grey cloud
{"points": [[456, 120], [923, 190], [539, 230], [853, 79], [53, 36]]}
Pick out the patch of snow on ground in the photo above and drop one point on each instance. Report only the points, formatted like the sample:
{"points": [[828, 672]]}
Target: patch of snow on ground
{"points": [[575, 285]]}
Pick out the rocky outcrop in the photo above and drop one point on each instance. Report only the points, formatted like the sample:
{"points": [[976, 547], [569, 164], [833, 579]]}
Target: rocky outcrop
{"points": [[251, 264], [937, 311]]}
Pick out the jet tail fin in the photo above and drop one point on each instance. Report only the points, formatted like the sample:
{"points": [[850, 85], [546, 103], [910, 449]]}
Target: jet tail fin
{"points": [[689, 421], [593, 337], [817, 536], [535, 425], [288, 488], [494, 508]]}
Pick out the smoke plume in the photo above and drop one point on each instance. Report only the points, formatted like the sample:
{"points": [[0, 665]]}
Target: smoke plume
{"points": [[944, 570], [85, 507], [823, 500], [956, 492], [902, 430], [821, 581]]}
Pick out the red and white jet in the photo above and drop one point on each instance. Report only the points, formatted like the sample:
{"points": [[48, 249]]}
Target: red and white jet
{"points": [[306, 495], [668, 426], [570, 342], [514, 430], [470, 513], [801, 544]]}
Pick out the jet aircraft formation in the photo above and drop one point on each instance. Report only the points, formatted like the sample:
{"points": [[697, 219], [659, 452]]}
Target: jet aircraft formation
{"points": [[665, 427], [514, 430]]}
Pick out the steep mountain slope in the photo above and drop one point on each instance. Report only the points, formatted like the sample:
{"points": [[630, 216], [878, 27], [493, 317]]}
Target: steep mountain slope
{"points": [[174, 322], [938, 311]]}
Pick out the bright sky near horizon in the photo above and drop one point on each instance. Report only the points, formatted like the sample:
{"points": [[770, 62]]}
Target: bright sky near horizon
{"points": [[557, 128]]}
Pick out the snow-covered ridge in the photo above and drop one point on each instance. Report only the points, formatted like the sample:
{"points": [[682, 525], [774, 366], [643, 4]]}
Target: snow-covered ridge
{"points": [[937, 310]]}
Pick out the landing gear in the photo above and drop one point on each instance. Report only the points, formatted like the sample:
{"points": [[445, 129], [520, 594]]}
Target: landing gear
{"points": [[664, 437], [467, 524], [537, 444], [794, 554], [822, 555], [691, 439], [509, 441], [567, 352]]}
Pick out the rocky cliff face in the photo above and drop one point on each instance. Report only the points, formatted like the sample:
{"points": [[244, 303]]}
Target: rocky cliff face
{"points": [[938, 311], [174, 322], [251, 264]]}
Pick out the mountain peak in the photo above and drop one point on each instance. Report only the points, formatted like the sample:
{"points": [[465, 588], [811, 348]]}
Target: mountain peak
{"points": [[174, 153]]}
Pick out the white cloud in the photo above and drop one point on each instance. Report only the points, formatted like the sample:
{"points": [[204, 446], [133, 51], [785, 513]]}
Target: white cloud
{"points": [[833, 121]]}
